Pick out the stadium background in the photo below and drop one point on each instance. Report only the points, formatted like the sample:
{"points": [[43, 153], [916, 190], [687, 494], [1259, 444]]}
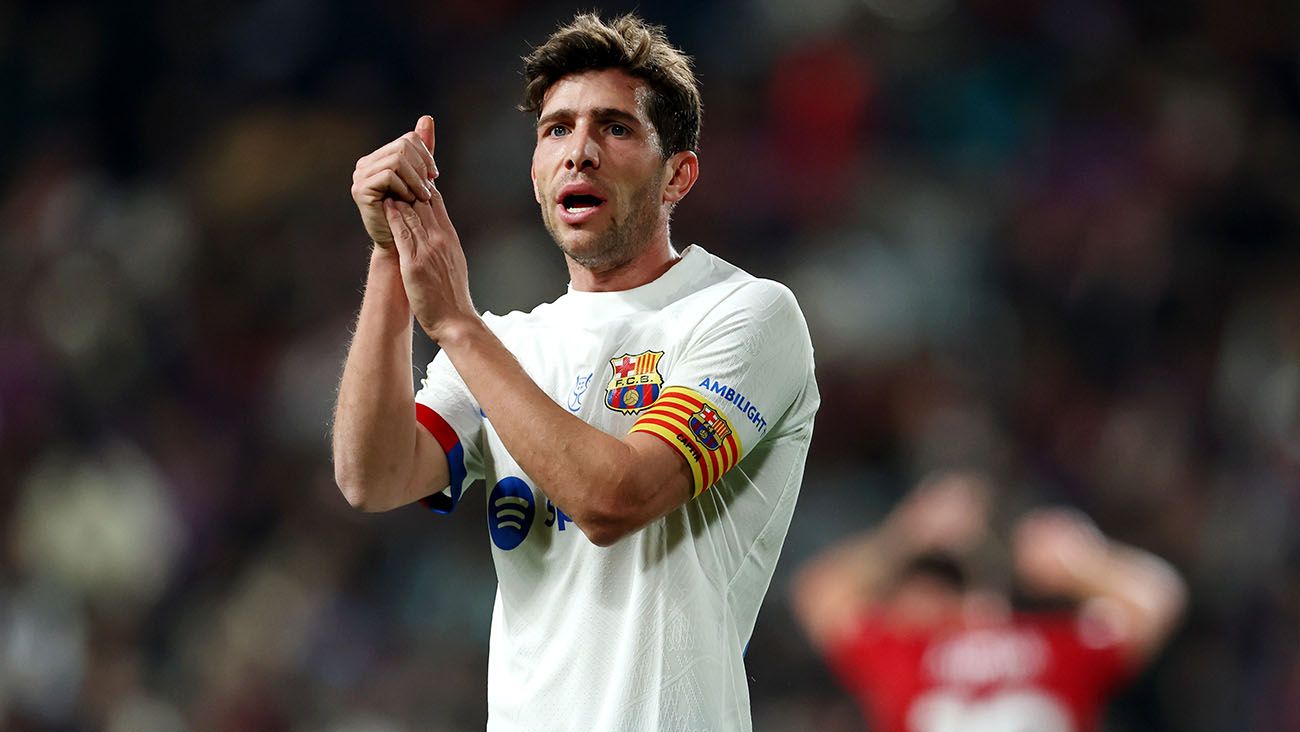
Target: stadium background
{"points": [[1054, 239]]}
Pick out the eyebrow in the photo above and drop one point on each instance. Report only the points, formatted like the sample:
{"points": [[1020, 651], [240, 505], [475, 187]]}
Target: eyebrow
{"points": [[600, 114]]}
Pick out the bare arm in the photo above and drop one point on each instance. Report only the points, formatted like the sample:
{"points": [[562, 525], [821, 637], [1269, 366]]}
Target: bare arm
{"points": [[831, 591], [1138, 595], [382, 458]]}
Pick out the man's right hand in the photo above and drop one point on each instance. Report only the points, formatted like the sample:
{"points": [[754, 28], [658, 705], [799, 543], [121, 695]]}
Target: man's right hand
{"points": [[402, 170]]}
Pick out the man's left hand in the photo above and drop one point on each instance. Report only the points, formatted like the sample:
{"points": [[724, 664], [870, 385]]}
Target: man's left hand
{"points": [[1058, 551]]}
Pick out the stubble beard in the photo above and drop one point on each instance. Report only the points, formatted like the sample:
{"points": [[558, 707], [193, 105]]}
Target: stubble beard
{"points": [[621, 241]]}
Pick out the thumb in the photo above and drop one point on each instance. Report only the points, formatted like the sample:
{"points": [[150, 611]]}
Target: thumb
{"points": [[424, 128]]}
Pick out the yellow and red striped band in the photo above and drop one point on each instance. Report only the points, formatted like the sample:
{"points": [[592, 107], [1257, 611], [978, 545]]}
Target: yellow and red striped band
{"points": [[690, 423]]}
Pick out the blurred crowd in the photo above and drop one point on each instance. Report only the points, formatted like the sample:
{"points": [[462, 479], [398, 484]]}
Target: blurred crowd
{"points": [[1052, 240]]}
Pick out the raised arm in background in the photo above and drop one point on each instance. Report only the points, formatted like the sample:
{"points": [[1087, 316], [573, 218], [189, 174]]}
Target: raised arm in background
{"points": [[948, 513], [1138, 595]]}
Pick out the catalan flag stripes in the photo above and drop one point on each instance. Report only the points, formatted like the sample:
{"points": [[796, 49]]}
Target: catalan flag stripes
{"points": [[669, 419]]}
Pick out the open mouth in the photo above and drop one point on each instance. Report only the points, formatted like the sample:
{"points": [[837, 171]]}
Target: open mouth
{"points": [[580, 202]]}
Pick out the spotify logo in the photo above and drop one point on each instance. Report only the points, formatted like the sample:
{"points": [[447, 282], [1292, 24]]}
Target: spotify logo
{"points": [[511, 509]]}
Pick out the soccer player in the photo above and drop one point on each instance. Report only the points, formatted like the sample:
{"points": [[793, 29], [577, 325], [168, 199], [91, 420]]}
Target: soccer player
{"points": [[642, 438], [893, 616]]}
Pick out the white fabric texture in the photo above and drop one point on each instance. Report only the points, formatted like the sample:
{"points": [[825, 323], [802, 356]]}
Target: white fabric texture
{"points": [[647, 634]]}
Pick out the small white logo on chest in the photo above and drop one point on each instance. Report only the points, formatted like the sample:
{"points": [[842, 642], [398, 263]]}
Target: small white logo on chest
{"points": [[579, 388]]}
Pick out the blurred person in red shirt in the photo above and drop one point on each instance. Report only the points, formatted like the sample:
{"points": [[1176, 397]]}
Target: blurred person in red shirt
{"points": [[893, 614]]}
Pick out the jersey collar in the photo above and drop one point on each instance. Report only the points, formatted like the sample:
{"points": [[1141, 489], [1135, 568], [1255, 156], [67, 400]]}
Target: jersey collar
{"points": [[653, 295]]}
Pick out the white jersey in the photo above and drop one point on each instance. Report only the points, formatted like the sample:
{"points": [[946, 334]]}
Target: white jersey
{"points": [[650, 633]]}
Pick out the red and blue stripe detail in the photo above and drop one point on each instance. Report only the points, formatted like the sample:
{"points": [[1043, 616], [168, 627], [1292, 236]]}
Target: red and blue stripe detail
{"points": [[450, 444]]}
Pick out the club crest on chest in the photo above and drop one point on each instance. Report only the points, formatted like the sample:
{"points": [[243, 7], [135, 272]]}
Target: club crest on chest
{"points": [[634, 381]]}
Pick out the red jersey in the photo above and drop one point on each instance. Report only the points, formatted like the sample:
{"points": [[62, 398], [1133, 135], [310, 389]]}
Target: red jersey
{"points": [[1047, 673]]}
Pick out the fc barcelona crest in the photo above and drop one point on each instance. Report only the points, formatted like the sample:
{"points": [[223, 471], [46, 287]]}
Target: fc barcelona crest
{"points": [[635, 383], [709, 427]]}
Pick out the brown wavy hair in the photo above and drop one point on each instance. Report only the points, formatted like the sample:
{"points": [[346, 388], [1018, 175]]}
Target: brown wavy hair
{"points": [[589, 43]]}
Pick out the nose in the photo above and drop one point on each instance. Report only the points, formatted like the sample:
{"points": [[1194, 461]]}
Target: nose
{"points": [[583, 152]]}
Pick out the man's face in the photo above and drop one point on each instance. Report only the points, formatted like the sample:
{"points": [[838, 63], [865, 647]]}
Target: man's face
{"points": [[598, 172]]}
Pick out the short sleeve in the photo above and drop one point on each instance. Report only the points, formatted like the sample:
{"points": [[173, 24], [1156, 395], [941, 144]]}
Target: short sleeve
{"points": [[1090, 649], [855, 658], [747, 362], [1103, 650], [445, 407]]}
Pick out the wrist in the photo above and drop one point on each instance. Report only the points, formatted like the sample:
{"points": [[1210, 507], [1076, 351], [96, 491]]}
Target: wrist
{"points": [[383, 253], [458, 333], [384, 292]]}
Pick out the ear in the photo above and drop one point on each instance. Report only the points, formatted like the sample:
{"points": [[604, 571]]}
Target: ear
{"points": [[684, 170], [532, 175]]}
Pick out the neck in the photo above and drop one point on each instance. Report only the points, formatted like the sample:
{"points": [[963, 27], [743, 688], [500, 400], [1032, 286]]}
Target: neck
{"points": [[645, 267]]}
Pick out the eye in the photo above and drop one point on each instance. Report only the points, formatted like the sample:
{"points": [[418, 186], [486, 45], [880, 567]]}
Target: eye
{"points": [[558, 131], [618, 130]]}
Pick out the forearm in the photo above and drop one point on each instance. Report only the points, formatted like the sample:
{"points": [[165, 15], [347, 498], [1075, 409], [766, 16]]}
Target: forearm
{"points": [[830, 592], [1144, 588], [589, 474], [857, 568], [374, 424], [1124, 573]]}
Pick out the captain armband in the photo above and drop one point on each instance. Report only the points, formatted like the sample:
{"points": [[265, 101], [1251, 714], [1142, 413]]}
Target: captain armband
{"points": [[693, 426]]}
